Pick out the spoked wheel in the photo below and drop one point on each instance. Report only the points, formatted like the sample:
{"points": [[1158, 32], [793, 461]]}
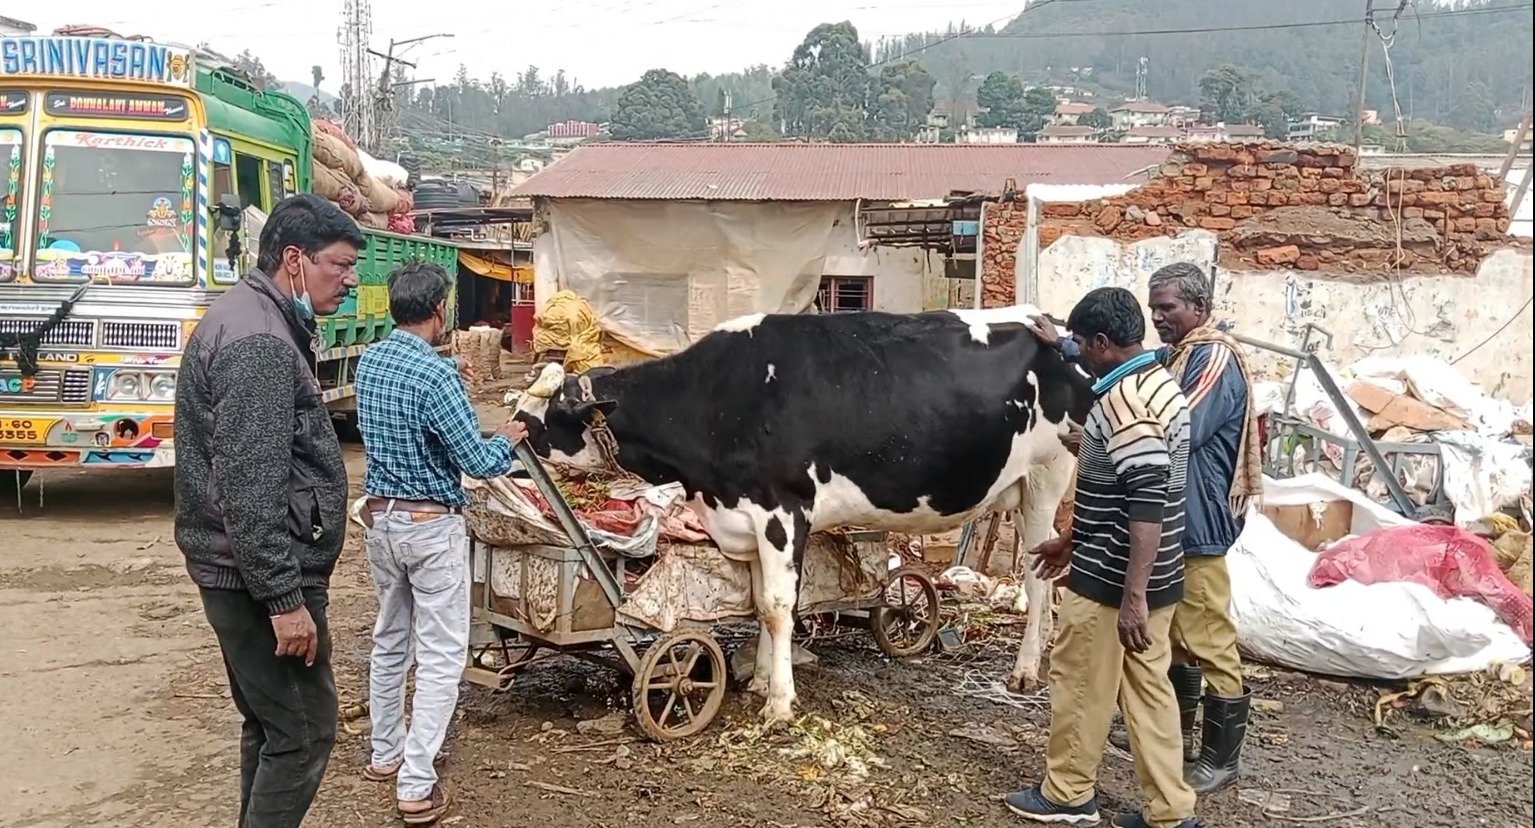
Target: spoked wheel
{"points": [[906, 624], [679, 686]]}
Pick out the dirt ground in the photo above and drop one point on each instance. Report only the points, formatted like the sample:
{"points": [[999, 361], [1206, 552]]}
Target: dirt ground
{"points": [[115, 713]]}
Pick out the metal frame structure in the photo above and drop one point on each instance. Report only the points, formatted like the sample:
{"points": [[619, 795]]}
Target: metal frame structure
{"points": [[1387, 470]]}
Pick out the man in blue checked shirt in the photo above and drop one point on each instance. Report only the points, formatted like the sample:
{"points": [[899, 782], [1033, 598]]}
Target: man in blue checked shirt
{"points": [[419, 433]]}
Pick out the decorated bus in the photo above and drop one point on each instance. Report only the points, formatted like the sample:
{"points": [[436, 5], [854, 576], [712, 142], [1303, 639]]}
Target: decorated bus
{"points": [[137, 174]]}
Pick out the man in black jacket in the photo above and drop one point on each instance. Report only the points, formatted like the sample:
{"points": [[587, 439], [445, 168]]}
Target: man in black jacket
{"points": [[261, 500]]}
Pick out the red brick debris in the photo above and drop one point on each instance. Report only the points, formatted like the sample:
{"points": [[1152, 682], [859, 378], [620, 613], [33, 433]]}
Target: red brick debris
{"points": [[1283, 206]]}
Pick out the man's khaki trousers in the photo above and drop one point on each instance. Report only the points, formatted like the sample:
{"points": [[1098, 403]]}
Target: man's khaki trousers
{"points": [[1202, 632], [1090, 671]]}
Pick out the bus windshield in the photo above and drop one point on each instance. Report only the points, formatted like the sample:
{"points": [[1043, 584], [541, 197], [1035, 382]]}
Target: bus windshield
{"points": [[116, 206], [10, 152]]}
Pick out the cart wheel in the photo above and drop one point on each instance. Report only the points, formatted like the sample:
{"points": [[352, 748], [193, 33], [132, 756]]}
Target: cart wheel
{"points": [[906, 624], [679, 686], [510, 651]]}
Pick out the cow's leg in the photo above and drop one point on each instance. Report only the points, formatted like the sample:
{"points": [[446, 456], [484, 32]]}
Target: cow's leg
{"points": [[764, 668], [781, 544], [1034, 521]]}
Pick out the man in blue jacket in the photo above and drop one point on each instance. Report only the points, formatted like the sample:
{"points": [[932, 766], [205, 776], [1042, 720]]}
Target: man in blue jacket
{"points": [[1224, 476]]}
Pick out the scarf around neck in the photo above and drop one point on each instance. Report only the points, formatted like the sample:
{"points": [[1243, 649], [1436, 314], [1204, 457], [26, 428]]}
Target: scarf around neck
{"points": [[1247, 477]]}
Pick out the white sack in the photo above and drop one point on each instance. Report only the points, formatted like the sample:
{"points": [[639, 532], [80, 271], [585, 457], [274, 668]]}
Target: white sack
{"points": [[391, 174], [1377, 631]]}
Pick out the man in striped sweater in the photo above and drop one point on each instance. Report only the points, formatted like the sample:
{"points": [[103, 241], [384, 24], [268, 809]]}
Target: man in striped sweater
{"points": [[1225, 476], [1124, 557]]}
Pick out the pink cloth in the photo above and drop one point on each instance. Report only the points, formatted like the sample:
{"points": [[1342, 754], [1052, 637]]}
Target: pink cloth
{"points": [[1449, 560]]}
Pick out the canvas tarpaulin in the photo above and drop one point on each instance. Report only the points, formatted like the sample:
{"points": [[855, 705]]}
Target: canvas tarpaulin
{"points": [[661, 274]]}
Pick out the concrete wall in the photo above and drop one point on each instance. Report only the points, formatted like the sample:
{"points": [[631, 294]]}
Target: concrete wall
{"points": [[902, 276], [905, 279], [1446, 316]]}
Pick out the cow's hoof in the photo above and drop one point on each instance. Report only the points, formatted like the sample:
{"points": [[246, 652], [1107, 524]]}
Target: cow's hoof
{"points": [[757, 687], [1022, 684], [777, 714]]}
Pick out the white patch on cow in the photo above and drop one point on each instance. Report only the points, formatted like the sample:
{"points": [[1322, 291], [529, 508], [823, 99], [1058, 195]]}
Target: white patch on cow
{"points": [[589, 459], [1082, 372], [980, 321], [741, 324], [772, 373], [741, 532], [534, 401]]}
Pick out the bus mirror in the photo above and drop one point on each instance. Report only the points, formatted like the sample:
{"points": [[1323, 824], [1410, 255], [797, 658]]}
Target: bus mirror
{"points": [[229, 211]]}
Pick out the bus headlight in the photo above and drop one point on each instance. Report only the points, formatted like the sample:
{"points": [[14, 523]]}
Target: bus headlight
{"points": [[162, 387], [141, 386]]}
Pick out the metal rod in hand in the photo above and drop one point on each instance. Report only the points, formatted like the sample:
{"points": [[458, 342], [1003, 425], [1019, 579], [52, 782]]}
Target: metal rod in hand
{"points": [[568, 521]]}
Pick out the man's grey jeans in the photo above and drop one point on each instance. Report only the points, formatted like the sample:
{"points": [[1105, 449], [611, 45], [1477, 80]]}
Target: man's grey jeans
{"points": [[420, 568]]}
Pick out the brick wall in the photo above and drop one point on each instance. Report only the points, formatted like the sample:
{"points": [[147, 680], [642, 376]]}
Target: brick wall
{"points": [[1000, 236], [1308, 207]]}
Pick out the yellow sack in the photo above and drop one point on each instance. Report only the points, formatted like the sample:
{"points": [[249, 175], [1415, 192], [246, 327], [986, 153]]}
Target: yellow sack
{"points": [[568, 321]]}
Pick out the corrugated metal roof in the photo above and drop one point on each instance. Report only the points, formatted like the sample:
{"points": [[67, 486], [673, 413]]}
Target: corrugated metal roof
{"points": [[826, 172]]}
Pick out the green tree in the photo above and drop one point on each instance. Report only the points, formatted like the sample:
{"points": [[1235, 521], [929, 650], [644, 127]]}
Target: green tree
{"points": [[1226, 95], [903, 102], [658, 106], [1097, 119], [1476, 108], [1276, 111], [1000, 99], [1038, 107], [824, 91], [760, 132], [1426, 136], [252, 66]]}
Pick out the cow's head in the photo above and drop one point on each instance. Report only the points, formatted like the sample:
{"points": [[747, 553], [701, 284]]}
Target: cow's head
{"points": [[561, 412]]}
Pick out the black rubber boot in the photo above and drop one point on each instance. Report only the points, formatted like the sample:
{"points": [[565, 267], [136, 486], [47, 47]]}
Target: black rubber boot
{"points": [[1188, 687], [1219, 758]]}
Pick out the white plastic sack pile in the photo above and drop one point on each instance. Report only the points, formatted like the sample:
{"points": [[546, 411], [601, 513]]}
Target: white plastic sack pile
{"points": [[390, 173], [1376, 631]]}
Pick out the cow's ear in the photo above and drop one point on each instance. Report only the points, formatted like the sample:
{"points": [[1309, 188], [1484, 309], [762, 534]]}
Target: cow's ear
{"points": [[596, 412]]}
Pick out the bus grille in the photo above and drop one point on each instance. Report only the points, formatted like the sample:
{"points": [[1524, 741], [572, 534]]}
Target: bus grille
{"points": [[71, 387], [70, 333], [160, 336]]}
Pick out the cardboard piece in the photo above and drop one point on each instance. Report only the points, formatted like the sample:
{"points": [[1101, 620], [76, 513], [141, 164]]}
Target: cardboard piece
{"points": [[1312, 525], [1391, 409]]}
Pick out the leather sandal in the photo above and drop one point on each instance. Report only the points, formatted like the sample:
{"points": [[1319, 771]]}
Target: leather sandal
{"points": [[382, 773], [425, 811]]}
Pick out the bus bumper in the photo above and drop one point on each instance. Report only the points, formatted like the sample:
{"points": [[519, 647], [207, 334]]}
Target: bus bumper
{"points": [[55, 440]]}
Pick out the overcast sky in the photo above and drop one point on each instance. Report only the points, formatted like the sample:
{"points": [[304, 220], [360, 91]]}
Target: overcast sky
{"points": [[598, 42]]}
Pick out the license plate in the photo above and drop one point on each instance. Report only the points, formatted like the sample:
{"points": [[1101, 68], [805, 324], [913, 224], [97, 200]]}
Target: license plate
{"points": [[22, 430]]}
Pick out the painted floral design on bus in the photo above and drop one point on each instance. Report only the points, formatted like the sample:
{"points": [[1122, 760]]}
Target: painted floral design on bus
{"points": [[10, 144]]}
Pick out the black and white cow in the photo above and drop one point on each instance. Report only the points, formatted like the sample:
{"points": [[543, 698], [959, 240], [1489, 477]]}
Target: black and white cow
{"points": [[780, 426]]}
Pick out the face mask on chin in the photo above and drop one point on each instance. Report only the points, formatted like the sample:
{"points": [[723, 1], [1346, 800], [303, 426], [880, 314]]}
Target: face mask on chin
{"points": [[302, 304]]}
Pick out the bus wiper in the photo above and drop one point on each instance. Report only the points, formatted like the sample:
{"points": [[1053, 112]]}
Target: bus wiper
{"points": [[26, 345]]}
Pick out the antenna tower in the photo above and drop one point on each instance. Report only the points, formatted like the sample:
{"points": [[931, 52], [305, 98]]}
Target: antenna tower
{"points": [[357, 70], [1140, 79]]}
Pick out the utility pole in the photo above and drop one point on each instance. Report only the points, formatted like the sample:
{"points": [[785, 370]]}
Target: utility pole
{"points": [[1364, 72], [357, 102], [384, 109], [726, 127]]}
